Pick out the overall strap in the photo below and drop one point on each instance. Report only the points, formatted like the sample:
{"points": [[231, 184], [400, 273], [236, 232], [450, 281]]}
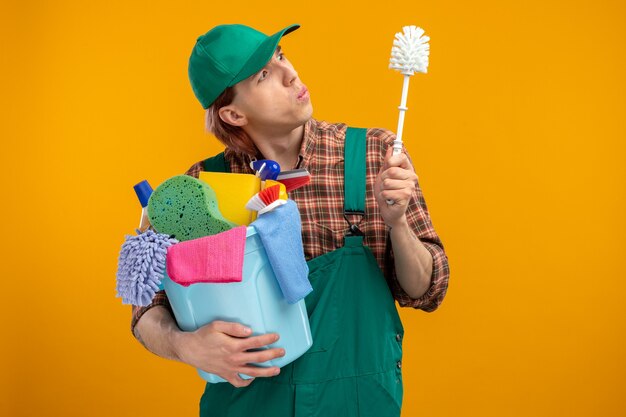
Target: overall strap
{"points": [[354, 175], [216, 163]]}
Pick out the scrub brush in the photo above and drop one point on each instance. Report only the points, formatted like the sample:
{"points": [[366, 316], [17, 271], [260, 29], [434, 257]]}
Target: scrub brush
{"points": [[266, 200], [409, 55], [294, 179], [282, 194]]}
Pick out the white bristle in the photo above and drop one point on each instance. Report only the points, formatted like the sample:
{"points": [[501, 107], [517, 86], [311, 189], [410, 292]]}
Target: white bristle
{"points": [[410, 51], [272, 206], [255, 203]]}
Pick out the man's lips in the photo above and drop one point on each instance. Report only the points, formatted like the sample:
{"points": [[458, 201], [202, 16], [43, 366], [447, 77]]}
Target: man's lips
{"points": [[303, 93]]}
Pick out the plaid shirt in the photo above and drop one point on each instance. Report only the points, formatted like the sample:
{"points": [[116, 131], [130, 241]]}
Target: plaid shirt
{"points": [[321, 209]]}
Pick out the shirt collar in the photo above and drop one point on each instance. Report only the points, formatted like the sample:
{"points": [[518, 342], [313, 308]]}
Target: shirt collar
{"points": [[307, 147]]}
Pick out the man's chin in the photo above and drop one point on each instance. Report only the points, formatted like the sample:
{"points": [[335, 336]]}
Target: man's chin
{"points": [[308, 114]]}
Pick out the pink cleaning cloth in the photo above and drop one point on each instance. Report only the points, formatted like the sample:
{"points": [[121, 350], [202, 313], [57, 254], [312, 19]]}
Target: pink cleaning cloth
{"points": [[217, 258]]}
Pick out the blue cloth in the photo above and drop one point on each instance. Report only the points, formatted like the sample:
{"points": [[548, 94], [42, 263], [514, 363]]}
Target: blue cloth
{"points": [[281, 233]]}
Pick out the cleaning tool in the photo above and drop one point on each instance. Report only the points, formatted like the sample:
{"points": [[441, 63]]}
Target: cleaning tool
{"points": [[266, 169], [409, 55], [283, 190], [294, 179], [233, 192], [143, 191], [141, 265], [280, 231], [187, 208], [217, 258], [266, 200]]}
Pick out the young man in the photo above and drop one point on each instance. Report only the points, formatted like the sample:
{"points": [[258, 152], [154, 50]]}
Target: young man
{"points": [[362, 252]]}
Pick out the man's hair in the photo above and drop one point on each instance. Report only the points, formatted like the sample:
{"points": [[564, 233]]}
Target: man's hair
{"points": [[231, 136]]}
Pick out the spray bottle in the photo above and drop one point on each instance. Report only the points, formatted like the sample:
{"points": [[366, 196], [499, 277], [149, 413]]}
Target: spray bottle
{"points": [[143, 191]]}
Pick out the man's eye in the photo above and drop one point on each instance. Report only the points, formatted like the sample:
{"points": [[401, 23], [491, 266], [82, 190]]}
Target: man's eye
{"points": [[281, 56], [263, 75]]}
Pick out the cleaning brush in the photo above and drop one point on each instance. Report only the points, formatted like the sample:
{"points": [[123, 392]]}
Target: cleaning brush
{"points": [[283, 190], [266, 200], [409, 55], [294, 179]]}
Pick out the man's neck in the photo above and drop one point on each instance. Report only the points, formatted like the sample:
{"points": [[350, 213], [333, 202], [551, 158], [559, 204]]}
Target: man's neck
{"points": [[283, 147]]}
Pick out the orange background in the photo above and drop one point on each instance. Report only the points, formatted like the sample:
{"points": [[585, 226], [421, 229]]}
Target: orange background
{"points": [[517, 134]]}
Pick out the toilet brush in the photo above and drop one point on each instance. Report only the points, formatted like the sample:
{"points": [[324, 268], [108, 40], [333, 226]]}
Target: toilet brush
{"points": [[409, 55]]}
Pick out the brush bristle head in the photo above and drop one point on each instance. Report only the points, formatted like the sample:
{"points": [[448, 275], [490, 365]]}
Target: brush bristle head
{"points": [[255, 203], [410, 51], [294, 179], [283, 191], [270, 194], [295, 183]]}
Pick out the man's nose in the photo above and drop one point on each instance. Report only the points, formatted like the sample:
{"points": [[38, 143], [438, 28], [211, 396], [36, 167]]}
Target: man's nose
{"points": [[290, 76]]}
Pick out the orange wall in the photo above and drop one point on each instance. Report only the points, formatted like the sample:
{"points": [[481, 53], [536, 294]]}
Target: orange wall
{"points": [[517, 133]]}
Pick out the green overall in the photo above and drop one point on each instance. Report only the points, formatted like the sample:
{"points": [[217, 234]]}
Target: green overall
{"points": [[354, 365]]}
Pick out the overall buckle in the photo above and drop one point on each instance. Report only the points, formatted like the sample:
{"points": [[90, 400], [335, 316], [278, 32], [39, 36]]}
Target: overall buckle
{"points": [[353, 229]]}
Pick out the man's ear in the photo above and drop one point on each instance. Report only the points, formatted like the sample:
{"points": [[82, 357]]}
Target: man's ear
{"points": [[231, 115]]}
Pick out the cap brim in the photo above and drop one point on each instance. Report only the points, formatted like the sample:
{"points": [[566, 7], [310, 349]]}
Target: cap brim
{"points": [[262, 55]]}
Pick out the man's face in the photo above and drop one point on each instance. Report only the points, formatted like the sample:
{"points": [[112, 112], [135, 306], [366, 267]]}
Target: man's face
{"points": [[274, 99]]}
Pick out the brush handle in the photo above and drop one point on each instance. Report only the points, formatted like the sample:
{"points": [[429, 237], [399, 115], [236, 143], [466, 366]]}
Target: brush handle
{"points": [[397, 144]]}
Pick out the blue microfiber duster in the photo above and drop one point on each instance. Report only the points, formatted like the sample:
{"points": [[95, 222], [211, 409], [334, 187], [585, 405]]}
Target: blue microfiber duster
{"points": [[141, 265]]}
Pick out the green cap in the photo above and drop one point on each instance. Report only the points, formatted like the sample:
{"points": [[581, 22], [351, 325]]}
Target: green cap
{"points": [[228, 54]]}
